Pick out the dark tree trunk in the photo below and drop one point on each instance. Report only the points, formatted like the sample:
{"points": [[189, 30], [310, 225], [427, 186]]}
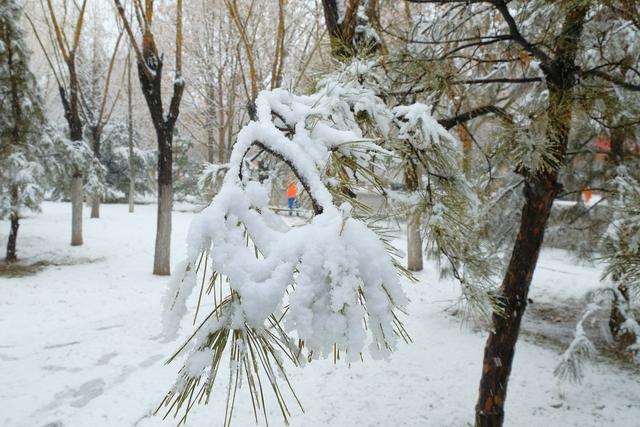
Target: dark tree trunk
{"points": [[540, 189], [13, 228], [342, 29], [500, 347], [13, 238]]}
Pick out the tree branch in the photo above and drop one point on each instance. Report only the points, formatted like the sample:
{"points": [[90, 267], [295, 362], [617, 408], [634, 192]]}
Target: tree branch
{"points": [[450, 122]]}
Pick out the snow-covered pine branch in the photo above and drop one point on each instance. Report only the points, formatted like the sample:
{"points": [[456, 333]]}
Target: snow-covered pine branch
{"points": [[450, 207], [330, 283]]}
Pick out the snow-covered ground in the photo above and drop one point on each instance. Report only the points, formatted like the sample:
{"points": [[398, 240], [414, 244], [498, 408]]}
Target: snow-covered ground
{"points": [[80, 345]]}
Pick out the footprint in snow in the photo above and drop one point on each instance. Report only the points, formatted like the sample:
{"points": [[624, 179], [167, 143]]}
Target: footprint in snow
{"points": [[104, 359], [87, 392], [150, 361]]}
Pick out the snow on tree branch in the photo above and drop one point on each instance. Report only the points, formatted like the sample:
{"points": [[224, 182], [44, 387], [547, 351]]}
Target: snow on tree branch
{"points": [[327, 287]]}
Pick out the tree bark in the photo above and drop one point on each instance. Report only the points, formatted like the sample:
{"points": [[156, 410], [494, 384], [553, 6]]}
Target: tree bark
{"points": [[162, 258], [76, 209], [500, 347]]}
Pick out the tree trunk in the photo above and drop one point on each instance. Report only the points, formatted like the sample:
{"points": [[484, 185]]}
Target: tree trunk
{"points": [[164, 126], [220, 117], [13, 237], [500, 347], [467, 149], [412, 174], [13, 230], [162, 258], [72, 116], [132, 171], [211, 121], [540, 189], [414, 242], [76, 209], [211, 142], [150, 76], [132, 162]]}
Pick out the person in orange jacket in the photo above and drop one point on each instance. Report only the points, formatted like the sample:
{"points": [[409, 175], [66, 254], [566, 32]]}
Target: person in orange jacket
{"points": [[292, 197]]}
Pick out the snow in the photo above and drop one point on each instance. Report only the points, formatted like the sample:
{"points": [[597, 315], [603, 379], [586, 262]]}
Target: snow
{"points": [[81, 344]]}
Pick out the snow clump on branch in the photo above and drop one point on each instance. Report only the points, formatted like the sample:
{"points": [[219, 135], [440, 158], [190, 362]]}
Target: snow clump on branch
{"points": [[330, 282]]}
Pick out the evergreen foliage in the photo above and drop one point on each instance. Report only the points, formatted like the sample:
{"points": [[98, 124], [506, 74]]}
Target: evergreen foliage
{"points": [[21, 121], [115, 159]]}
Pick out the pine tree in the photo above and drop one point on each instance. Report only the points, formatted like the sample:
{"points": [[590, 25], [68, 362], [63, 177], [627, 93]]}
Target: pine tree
{"points": [[20, 123], [117, 158]]}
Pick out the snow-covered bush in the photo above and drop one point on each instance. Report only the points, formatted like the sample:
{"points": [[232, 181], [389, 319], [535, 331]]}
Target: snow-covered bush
{"points": [[618, 298]]}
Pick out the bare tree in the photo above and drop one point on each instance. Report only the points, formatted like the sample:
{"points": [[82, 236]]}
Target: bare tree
{"points": [[94, 99], [69, 89], [150, 67]]}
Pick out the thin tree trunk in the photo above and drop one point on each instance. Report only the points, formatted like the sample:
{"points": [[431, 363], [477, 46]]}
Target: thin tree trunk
{"points": [[412, 173], [95, 199], [211, 122], [467, 148], [211, 142], [500, 347], [221, 121], [75, 133], [414, 242], [13, 227], [76, 209], [132, 162], [13, 237]]}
